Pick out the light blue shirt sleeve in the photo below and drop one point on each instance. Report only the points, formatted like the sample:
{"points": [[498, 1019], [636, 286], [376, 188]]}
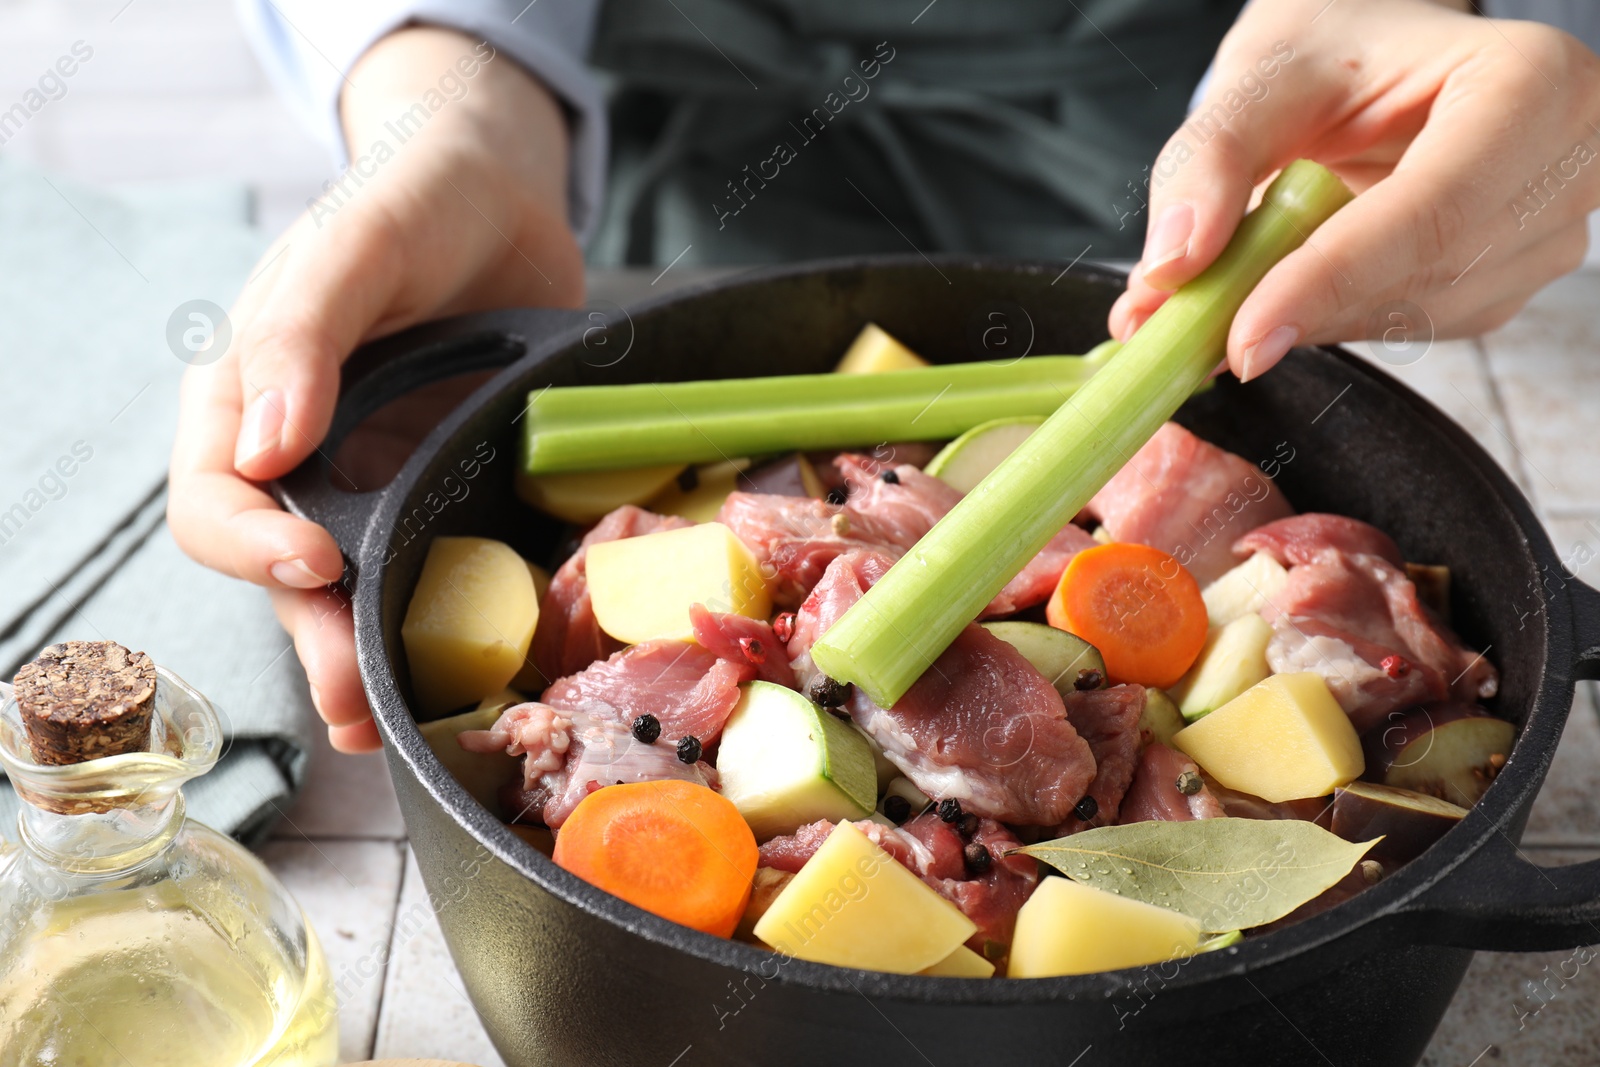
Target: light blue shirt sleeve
{"points": [[309, 46]]}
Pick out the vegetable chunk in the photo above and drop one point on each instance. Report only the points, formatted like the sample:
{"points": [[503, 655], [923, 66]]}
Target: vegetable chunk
{"points": [[470, 620], [1283, 739], [642, 587], [852, 905], [673, 848], [1069, 928], [784, 763]]}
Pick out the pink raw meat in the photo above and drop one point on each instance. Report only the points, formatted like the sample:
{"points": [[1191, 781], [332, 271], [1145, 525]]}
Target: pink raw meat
{"points": [[1350, 614], [1188, 498]]}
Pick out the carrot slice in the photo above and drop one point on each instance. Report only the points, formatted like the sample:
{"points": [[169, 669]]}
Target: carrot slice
{"points": [[674, 848], [1138, 606]]}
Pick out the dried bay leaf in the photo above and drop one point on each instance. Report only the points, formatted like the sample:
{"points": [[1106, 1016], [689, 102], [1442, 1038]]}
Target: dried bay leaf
{"points": [[1228, 874]]}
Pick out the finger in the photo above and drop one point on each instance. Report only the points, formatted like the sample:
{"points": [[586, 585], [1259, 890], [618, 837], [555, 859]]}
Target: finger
{"points": [[333, 286], [355, 739], [320, 623], [1255, 118], [1135, 305], [223, 521]]}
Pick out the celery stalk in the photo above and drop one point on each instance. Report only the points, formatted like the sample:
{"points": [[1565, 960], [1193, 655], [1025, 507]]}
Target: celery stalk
{"points": [[892, 634], [601, 427]]}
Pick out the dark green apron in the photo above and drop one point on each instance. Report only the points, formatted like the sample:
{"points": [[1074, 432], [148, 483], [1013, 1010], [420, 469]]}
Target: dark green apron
{"points": [[764, 130]]}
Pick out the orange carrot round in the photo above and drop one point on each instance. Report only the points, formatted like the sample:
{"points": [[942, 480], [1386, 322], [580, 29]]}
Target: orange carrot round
{"points": [[1138, 606], [674, 848]]}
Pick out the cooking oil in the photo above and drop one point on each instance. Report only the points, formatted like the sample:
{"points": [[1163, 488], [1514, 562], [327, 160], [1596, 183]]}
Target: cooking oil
{"points": [[131, 937]]}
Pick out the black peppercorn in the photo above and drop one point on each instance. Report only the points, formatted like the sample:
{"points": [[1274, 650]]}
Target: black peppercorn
{"points": [[968, 824], [838, 495], [1088, 678], [646, 728], [688, 479], [978, 857], [896, 809], [1087, 808], [950, 809], [827, 693], [1189, 783], [890, 477], [689, 748]]}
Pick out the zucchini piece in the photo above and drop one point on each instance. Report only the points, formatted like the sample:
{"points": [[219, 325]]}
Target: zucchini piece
{"points": [[785, 762], [1160, 718], [1058, 655], [1234, 659]]}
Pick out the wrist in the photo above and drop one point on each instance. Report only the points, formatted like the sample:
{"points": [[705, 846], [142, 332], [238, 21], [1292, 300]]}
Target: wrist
{"points": [[465, 101]]}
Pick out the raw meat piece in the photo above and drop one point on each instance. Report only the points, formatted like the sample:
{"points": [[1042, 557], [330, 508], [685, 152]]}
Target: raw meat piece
{"points": [[689, 689], [1035, 582], [1109, 720], [1154, 795], [1350, 614], [743, 640], [1188, 498]]}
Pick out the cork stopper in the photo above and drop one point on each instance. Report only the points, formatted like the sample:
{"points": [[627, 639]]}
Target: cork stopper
{"points": [[81, 700]]}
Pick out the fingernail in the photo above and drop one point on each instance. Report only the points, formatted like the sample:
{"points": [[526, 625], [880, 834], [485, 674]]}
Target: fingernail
{"points": [[316, 697], [1261, 356], [296, 575], [261, 429], [1168, 239], [1130, 328]]}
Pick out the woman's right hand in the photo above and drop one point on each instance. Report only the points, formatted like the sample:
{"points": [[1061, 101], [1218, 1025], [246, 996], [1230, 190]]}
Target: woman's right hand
{"points": [[469, 212]]}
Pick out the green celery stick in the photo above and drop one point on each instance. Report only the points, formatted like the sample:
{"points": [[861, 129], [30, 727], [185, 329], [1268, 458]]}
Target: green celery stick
{"points": [[892, 634], [606, 427]]}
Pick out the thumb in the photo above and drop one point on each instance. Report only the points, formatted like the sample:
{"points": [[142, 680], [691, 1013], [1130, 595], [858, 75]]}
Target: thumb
{"points": [[1257, 113], [332, 286]]}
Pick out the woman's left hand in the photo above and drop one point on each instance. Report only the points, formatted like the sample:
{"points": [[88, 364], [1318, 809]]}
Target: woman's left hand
{"points": [[1474, 144]]}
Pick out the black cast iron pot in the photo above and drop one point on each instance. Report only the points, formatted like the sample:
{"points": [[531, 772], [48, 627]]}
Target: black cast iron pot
{"points": [[563, 973]]}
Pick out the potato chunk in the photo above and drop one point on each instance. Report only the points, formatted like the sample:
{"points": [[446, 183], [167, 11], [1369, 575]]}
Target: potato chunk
{"points": [[642, 587], [1069, 928], [852, 905], [875, 351], [584, 496], [469, 622], [1285, 738]]}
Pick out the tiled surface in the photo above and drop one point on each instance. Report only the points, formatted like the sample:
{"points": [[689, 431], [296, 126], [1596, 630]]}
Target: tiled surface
{"points": [[172, 93]]}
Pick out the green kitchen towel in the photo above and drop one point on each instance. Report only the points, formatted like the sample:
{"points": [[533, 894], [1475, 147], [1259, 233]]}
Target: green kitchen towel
{"points": [[89, 282]]}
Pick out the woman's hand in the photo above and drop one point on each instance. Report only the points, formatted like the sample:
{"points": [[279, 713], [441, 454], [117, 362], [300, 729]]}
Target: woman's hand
{"points": [[468, 212], [1474, 144]]}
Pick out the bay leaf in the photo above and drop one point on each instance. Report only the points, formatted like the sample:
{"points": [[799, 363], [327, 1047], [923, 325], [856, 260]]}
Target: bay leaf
{"points": [[1228, 874]]}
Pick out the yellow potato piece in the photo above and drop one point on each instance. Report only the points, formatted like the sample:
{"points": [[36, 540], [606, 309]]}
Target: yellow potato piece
{"points": [[584, 496], [642, 587], [701, 504], [852, 905], [962, 963], [1285, 738], [469, 622], [1069, 928], [874, 351]]}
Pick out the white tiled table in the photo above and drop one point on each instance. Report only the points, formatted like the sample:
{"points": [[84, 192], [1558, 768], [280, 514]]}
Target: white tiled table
{"points": [[173, 93]]}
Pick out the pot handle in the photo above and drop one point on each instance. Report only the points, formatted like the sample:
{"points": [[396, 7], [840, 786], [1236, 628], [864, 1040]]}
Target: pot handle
{"points": [[388, 369], [1500, 900]]}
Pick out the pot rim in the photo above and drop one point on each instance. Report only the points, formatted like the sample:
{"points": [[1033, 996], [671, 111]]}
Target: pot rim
{"points": [[1375, 913]]}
